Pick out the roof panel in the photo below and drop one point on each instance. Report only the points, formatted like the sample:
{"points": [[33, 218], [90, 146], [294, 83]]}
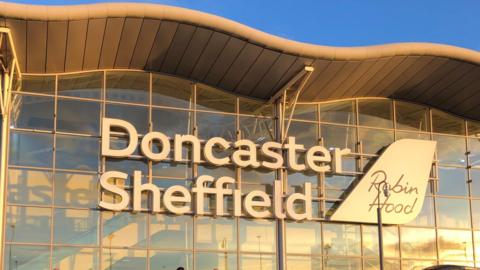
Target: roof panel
{"points": [[224, 60], [378, 76], [352, 79], [293, 70], [56, 46], [111, 40], [330, 86], [273, 75], [36, 46], [194, 50], [128, 40], [180, 42], [19, 35], [76, 40], [93, 44], [161, 44], [211, 52], [257, 71], [146, 38]]}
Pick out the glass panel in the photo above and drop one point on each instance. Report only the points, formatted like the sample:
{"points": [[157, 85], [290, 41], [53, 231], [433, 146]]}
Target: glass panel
{"points": [[258, 130], [76, 190], [171, 92], [304, 112], [475, 185], [68, 116], [473, 128], [218, 261], [450, 150], [375, 112], [85, 85], [216, 234], [78, 227], [170, 260], [452, 181], [410, 116], [374, 140], [171, 169], [303, 238], [426, 216], [171, 122], [411, 135], [338, 136], [304, 133], [254, 107], [336, 185], [26, 257], [390, 241], [455, 245], [417, 265], [210, 99], [29, 186], [474, 151], [453, 213], [216, 125], [342, 264], [124, 229], [374, 264], [304, 263], [38, 84], [28, 224], [127, 166], [31, 149], [259, 179], [257, 261], [124, 259], [257, 235], [75, 258], [296, 181], [341, 239], [342, 112], [171, 232], [137, 116], [476, 213], [418, 243], [128, 86], [443, 122], [79, 153], [32, 112]]}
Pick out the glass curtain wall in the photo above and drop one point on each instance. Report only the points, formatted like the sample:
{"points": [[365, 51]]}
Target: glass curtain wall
{"points": [[53, 221]]}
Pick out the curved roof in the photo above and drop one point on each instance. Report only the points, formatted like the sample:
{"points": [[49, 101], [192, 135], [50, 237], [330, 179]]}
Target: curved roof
{"points": [[234, 57]]}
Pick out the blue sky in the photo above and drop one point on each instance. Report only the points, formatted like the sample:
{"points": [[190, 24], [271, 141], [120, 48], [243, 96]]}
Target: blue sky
{"points": [[346, 22]]}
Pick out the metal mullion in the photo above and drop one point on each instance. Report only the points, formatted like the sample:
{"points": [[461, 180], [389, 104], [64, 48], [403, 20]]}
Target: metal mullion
{"points": [[150, 165], [321, 176], [194, 170], [470, 197], [102, 170], [394, 119], [238, 182]]}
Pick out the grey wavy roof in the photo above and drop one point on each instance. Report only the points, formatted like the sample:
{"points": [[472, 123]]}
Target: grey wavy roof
{"points": [[236, 58]]}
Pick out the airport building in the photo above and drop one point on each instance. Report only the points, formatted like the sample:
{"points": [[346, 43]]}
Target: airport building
{"points": [[144, 137]]}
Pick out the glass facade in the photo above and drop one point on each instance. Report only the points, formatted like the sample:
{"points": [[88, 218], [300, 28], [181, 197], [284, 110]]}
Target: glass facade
{"points": [[53, 221]]}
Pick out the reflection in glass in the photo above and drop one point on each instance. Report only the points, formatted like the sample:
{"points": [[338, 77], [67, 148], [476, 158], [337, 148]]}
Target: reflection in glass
{"points": [[297, 180], [304, 133], [216, 125], [474, 151], [258, 179], [174, 232], [76, 190], [341, 239], [341, 112], [85, 84], [339, 137], [136, 115], [302, 111], [342, 263], [172, 92], [453, 213], [171, 122], [216, 234], [303, 263], [411, 135], [410, 116], [31, 149], [79, 153], [211, 99], [475, 184], [28, 224], [68, 119], [74, 226], [124, 229], [29, 186], [443, 122], [170, 260], [336, 185], [390, 241], [455, 245], [374, 140], [450, 150], [426, 216], [476, 213], [258, 261], [414, 265], [38, 84], [418, 243], [75, 258], [254, 107], [124, 259], [171, 169], [218, 261], [452, 181], [128, 86], [26, 257], [258, 130], [32, 112], [303, 238], [375, 112], [257, 235], [374, 264]]}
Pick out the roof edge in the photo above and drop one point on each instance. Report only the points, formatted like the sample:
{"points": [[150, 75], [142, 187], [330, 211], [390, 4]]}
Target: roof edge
{"points": [[157, 11]]}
